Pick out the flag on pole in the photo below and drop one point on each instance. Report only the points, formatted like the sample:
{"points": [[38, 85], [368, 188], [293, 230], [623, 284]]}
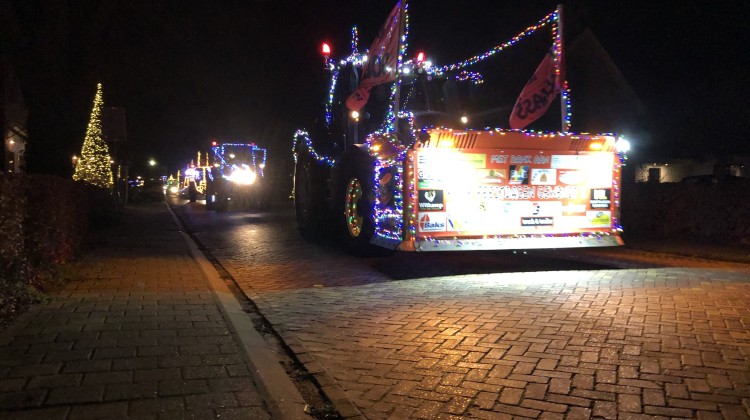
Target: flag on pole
{"points": [[382, 60], [537, 95]]}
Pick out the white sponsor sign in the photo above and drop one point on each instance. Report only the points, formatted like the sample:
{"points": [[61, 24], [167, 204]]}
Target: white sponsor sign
{"points": [[431, 221], [543, 176], [569, 161]]}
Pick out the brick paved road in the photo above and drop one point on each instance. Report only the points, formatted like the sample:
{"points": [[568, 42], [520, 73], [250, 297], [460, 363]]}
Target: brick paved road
{"points": [[665, 342], [647, 342]]}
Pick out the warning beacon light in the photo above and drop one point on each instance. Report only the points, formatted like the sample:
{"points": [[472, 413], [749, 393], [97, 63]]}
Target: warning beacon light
{"points": [[420, 57], [325, 49]]}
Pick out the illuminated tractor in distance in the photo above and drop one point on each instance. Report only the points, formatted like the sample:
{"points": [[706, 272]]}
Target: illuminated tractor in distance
{"points": [[236, 175], [192, 180]]}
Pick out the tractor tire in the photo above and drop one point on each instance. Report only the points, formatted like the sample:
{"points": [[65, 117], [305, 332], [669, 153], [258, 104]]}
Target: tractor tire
{"points": [[210, 195], [309, 200], [356, 200]]}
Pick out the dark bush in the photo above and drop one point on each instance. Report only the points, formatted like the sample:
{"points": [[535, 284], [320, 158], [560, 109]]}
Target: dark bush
{"points": [[44, 221], [55, 219], [709, 212], [103, 208], [13, 261]]}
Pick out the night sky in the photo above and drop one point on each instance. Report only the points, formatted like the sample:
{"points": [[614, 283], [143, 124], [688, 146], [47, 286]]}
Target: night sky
{"points": [[187, 72]]}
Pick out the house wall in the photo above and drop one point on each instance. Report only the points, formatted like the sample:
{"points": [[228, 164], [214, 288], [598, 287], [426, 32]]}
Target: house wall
{"points": [[677, 170], [674, 171], [13, 117]]}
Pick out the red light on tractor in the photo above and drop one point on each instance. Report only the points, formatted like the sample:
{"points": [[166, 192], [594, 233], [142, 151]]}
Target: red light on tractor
{"points": [[420, 57], [213, 143], [325, 49]]}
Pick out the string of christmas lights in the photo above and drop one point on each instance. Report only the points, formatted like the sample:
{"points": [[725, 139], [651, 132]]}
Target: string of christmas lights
{"points": [[455, 242], [220, 152], [474, 77], [302, 134], [557, 51], [388, 132], [355, 39], [496, 49]]}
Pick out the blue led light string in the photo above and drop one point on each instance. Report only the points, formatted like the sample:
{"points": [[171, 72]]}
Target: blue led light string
{"points": [[329, 102], [219, 151]]}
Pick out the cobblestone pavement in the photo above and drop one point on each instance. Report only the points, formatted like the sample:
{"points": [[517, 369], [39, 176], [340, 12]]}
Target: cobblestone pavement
{"points": [[137, 333], [664, 342], [611, 344]]}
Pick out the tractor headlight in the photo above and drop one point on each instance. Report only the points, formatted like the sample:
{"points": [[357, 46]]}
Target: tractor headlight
{"points": [[622, 145], [243, 176]]}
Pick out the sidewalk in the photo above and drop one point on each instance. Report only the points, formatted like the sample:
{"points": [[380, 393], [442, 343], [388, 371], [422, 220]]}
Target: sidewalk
{"points": [[715, 251], [137, 333]]}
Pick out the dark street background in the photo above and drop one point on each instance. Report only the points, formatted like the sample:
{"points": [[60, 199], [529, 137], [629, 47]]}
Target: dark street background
{"points": [[187, 72]]}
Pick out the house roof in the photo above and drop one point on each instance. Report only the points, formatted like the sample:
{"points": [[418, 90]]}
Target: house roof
{"points": [[602, 100]]}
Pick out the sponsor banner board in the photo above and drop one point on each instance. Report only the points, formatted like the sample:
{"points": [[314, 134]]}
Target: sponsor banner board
{"points": [[507, 192]]}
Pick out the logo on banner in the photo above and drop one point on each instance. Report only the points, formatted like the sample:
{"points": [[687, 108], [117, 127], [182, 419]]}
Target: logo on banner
{"points": [[599, 218], [601, 198], [432, 222], [492, 176], [543, 176], [537, 221], [519, 175], [431, 200]]}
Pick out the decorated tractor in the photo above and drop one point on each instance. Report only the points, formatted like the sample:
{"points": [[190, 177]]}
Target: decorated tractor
{"points": [[236, 176], [404, 155]]}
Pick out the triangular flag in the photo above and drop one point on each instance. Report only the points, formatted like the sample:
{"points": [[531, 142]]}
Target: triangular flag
{"points": [[537, 95], [382, 60]]}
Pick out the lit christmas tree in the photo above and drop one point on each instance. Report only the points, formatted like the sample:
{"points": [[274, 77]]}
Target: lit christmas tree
{"points": [[94, 165]]}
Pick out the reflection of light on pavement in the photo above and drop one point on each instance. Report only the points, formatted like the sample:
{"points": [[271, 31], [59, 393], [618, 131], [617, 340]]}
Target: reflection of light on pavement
{"points": [[521, 280]]}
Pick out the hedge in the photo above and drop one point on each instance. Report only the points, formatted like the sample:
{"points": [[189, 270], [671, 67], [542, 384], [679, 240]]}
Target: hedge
{"points": [[711, 212], [44, 221]]}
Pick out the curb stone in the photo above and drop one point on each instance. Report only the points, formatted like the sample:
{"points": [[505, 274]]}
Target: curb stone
{"points": [[284, 399]]}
